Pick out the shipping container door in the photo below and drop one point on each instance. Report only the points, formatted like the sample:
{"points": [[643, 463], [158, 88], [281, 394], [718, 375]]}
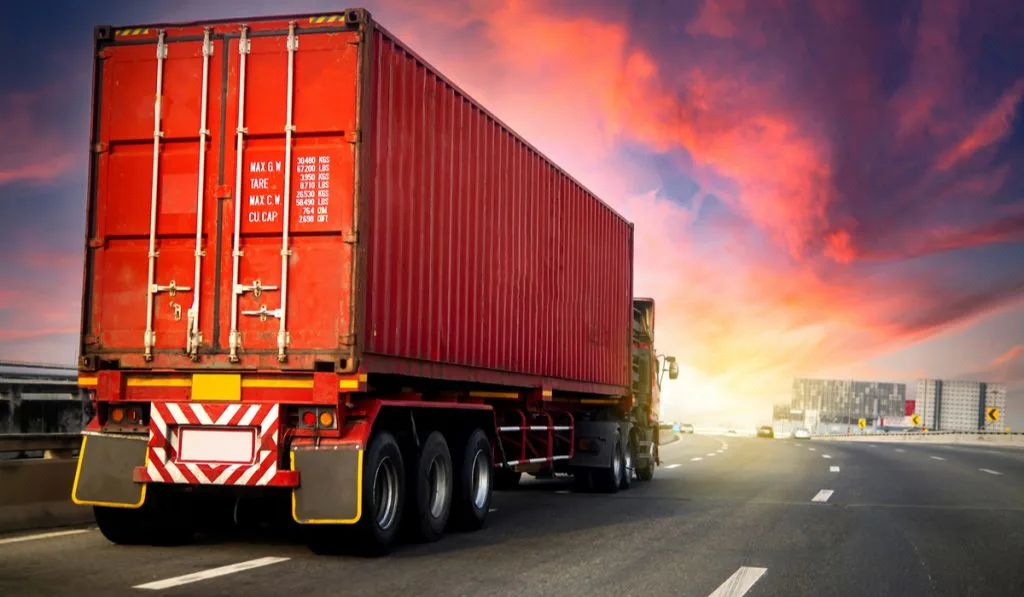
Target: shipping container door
{"points": [[152, 209], [287, 234]]}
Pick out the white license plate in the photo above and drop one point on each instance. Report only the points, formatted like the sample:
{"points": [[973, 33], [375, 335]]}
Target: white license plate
{"points": [[216, 446]]}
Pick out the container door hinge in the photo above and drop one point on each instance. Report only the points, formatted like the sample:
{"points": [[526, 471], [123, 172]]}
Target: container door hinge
{"points": [[348, 340], [101, 148], [356, 137], [352, 237]]}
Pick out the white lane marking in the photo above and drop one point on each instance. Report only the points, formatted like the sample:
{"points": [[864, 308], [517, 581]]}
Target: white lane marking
{"points": [[822, 496], [493, 510], [872, 446], [740, 582], [185, 579], [674, 466], [812, 449], [696, 458], [825, 456], [833, 469], [900, 450], [989, 471], [710, 454], [563, 491], [42, 536], [937, 458]]}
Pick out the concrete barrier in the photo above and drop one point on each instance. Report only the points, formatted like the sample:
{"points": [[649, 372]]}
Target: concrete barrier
{"points": [[36, 493], [937, 437]]}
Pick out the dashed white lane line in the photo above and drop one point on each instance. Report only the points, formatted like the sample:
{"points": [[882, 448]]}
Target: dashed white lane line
{"points": [[492, 510], [710, 454], [673, 466], [900, 450], [872, 446], [697, 458], [822, 496], [740, 582], [563, 491], [937, 458], [990, 471], [825, 456], [177, 581], [833, 469], [42, 536], [813, 449]]}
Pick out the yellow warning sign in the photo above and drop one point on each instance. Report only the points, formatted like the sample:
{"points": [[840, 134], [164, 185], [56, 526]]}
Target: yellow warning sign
{"points": [[915, 419], [992, 414], [862, 423]]}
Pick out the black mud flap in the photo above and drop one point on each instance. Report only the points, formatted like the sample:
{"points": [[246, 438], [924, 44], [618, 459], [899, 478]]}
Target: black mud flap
{"points": [[598, 439], [104, 473], [330, 484]]}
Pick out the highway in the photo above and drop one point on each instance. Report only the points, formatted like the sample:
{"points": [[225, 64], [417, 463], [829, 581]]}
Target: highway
{"points": [[726, 516]]}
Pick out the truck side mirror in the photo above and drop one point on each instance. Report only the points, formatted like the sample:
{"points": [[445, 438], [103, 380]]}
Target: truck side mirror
{"points": [[673, 370]]}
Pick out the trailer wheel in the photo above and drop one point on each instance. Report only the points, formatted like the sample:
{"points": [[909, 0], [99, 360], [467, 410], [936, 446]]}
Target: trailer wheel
{"points": [[432, 489], [383, 503], [609, 479], [473, 484], [629, 463], [157, 522]]}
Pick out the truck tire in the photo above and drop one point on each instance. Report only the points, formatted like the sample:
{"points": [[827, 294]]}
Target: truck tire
{"points": [[609, 479], [474, 479], [432, 489], [629, 463], [646, 467], [383, 505], [157, 522]]}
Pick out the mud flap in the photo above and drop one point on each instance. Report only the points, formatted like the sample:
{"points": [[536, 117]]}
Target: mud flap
{"points": [[330, 484], [595, 441], [104, 473]]}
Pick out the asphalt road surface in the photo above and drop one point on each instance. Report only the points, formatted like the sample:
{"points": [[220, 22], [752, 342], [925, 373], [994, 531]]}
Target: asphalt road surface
{"points": [[726, 516]]}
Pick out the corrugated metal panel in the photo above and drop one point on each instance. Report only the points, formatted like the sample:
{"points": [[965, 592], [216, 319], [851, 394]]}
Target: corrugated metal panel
{"points": [[481, 252]]}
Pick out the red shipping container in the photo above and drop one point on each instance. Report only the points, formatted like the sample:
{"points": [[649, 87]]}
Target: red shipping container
{"points": [[326, 196]]}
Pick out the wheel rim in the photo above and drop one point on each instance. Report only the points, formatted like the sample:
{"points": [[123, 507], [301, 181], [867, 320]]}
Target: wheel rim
{"points": [[385, 493], [438, 477], [481, 484]]}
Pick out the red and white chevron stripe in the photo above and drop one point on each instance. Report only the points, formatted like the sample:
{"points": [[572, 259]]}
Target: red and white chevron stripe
{"points": [[166, 420]]}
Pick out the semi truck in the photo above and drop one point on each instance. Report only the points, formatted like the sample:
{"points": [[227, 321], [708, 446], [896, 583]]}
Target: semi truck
{"points": [[322, 278]]}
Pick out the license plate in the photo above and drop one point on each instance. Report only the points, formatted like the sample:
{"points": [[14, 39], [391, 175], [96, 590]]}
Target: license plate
{"points": [[216, 446]]}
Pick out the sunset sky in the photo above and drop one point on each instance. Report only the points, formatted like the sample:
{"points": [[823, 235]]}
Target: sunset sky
{"points": [[820, 189]]}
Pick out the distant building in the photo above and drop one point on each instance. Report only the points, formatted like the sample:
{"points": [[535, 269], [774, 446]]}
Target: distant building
{"points": [[844, 401], [951, 405]]}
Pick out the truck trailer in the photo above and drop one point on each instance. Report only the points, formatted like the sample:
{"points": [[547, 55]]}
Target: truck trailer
{"points": [[320, 275]]}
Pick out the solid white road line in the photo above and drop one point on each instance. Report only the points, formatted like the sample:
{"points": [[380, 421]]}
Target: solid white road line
{"points": [[989, 471], [822, 496], [696, 458], [740, 582], [833, 469], [825, 456], [937, 458], [42, 536], [185, 579], [674, 466]]}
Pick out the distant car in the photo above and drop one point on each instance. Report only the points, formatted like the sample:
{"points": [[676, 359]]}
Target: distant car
{"points": [[766, 431], [686, 428], [801, 433]]}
